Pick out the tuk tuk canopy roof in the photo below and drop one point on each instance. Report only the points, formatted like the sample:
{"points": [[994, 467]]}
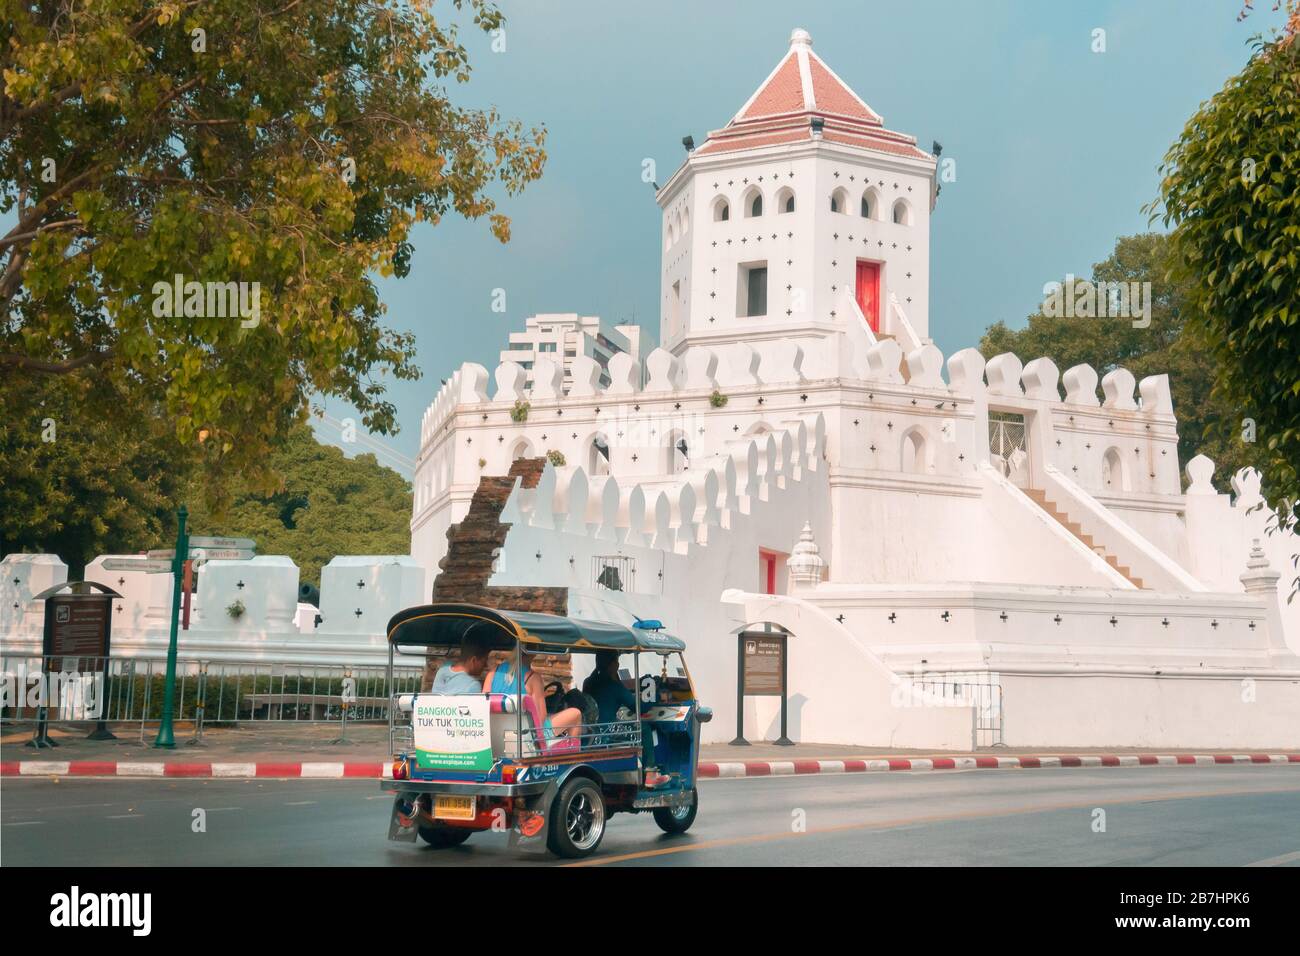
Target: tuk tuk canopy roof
{"points": [[445, 625]]}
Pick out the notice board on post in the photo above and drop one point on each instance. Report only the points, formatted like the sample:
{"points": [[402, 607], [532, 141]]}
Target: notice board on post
{"points": [[761, 671], [78, 625], [763, 657]]}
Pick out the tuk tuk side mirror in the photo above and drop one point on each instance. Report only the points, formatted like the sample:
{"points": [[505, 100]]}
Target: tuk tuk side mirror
{"points": [[704, 714]]}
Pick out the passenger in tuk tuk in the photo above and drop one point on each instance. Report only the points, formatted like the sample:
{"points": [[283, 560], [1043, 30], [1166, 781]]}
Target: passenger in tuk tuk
{"points": [[501, 679], [465, 675]]}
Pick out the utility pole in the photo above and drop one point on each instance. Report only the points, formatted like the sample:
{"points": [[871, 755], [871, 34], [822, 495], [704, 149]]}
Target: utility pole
{"points": [[179, 560]]}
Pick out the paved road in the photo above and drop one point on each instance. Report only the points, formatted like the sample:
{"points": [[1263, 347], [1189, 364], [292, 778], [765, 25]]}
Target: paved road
{"points": [[1226, 816]]}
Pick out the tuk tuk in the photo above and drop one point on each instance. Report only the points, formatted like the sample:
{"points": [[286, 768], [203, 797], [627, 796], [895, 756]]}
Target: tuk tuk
{"points": [[472, 762]]}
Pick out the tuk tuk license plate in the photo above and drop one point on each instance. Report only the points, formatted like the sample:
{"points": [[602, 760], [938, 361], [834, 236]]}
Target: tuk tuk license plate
{"points": [[453, 808]]}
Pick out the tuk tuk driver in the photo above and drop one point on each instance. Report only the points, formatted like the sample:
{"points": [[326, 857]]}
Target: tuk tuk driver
{"points": [[501, 679], [603, 685], [611, 696]]}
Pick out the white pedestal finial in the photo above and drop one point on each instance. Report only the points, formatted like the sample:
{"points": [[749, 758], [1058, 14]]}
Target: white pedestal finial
{"points": [[1260, 581], [1260, 578], [805, 562], [800, 37]]}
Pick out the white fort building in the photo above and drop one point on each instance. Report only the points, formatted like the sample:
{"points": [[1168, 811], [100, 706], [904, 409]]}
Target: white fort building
{"points": [[970, 549]]}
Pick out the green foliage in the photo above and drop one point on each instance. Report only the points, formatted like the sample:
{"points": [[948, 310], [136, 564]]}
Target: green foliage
{"points": [[520, 412], [78, 476], [236, 609], [556, 458], [1206, 424], [717, 399], [295, 147], [1231, 189], [327, 505]]}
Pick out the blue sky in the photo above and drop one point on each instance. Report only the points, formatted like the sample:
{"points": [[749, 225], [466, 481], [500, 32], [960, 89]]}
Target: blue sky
{"points": [[1056, 147]]}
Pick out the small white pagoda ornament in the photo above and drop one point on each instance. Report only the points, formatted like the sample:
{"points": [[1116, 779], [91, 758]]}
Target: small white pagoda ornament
{"points": [[805, 562], [1260, 578]]}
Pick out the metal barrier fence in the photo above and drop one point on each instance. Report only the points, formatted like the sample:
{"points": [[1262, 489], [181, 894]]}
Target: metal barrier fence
{"points": [[981, 691], [124, 690]]}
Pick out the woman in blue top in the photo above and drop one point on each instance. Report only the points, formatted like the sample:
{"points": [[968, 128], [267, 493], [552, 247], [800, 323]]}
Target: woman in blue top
{"points": [[502, 679]]}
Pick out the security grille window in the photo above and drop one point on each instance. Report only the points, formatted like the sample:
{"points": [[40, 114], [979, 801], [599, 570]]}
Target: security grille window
{"points": [[614, 572], [1006, 436]]}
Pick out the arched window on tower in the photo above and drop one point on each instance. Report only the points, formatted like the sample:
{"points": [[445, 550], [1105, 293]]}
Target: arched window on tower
{"points": [[721, 210], [522, 449], [902, 213], [840, 200], [785, 200], [869, 208], [914, 452], [753, 203], [1113, 477]]}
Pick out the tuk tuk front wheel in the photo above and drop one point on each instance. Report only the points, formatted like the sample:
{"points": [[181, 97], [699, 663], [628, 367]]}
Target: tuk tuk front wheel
{"points": [[441, 838], [678, 819], [577, 819]]}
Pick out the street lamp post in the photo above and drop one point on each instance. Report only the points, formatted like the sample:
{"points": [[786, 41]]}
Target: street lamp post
{"points": [[166, 737]]}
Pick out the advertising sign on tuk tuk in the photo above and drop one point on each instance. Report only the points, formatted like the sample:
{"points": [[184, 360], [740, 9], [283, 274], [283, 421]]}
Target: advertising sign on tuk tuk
{"points": [[452, 733]]}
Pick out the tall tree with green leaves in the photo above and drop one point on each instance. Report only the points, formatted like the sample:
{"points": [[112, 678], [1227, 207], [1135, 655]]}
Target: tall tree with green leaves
{"points": [[278, 151], [1231, 191], [327, 505], [1204, 421], [78, 478]]}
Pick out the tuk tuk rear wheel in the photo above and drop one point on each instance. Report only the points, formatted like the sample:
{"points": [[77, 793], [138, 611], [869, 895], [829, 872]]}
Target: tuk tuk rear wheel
{"points": [[442, 838], [678, 819], [577, 819]]}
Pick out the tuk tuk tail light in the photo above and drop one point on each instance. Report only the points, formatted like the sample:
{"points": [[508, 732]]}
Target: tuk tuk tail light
{"points": [[400, 771], [508, 773]]}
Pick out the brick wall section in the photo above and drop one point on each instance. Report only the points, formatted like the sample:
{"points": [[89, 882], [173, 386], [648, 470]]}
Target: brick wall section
{"points": [[467, 566]]}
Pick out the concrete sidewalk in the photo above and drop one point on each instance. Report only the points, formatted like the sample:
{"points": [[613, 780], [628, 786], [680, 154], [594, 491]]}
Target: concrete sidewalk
{"points": [[305, 749]]}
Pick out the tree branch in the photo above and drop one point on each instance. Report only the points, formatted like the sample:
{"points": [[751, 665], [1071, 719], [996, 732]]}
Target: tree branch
{"points": [[56, 368]]}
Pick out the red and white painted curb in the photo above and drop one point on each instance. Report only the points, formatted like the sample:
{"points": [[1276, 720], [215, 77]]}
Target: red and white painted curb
{"points": [[333, 770], [328, 770], [778, 768]]}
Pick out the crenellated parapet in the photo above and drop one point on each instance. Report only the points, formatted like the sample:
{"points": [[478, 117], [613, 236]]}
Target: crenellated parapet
{"points": [[889, 412], [674, 513], [1121, 443]]}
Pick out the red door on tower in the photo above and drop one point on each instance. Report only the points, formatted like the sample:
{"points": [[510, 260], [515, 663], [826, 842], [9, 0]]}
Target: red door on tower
{"points": [[767, 571], [868, 293]]}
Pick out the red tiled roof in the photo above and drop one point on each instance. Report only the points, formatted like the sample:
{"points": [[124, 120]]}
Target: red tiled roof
{"points": [[833, 96], [801, 87], [783, 92], [753, 141]]}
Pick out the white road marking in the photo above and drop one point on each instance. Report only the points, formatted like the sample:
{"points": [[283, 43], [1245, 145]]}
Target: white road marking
{"points": [[1277, 860], [301, 803]]}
